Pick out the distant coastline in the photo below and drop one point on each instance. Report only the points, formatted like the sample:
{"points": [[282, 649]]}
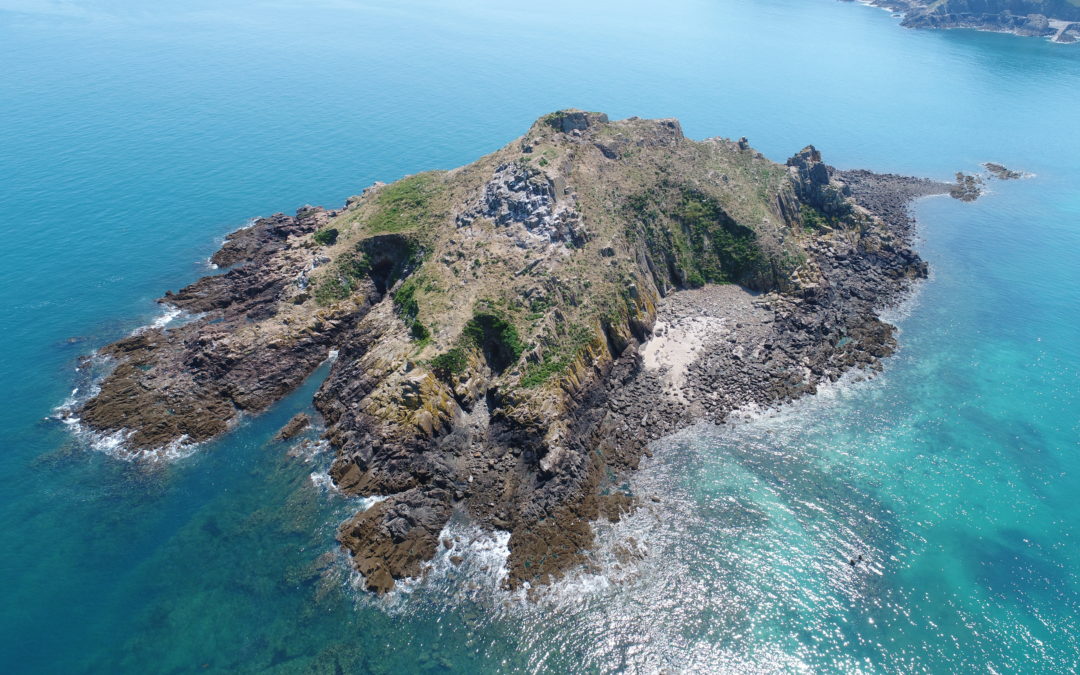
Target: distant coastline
{"points": [[1056, 20]]}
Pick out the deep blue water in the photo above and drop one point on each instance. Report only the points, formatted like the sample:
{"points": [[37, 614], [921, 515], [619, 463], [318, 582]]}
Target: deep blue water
{"points": [[135, 135]]}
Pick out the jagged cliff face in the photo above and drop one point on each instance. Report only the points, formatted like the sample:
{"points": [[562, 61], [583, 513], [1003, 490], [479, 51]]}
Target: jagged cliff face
{"points": [[478, 315]]}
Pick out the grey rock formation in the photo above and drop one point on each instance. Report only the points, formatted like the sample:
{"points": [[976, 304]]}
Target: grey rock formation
{"points": [[519, 194]]}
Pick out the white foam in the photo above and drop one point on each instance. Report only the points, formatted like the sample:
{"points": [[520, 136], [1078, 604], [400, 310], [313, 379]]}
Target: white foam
{"points": [[870, 3], [68, 404], [367, 502], [481, 560], [169, 315], [91, 372], [115, 443], [828, 394], [309, 450], [473, 569], [903, 307], [323, 482]]}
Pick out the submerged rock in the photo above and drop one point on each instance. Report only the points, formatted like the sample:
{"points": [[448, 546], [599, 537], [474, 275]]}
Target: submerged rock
{"points": [[968, 188], [1001, 172]]}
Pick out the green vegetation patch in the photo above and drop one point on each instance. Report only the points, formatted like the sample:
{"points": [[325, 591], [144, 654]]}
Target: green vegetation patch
{"points": [[326, 236], [453, 361], [699, 241], [723, 251], [496, 337], [492, 335], [404, 205], [814, 219], [554, 120], [558, 357], [342, 279], [409, 309], [383, 258]]}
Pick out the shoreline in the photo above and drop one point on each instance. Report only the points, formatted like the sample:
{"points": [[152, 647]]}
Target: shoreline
{"points": [[767, 338]]}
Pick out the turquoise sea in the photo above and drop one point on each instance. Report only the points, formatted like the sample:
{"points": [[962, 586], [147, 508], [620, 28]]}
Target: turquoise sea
{"points": [[134, 135]]}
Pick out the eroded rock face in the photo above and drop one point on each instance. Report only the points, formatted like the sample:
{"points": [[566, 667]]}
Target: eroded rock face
{"points": [[268, 235], [1069, 34], [519, 194], [816, 187], [506, 381], [569, 121]]}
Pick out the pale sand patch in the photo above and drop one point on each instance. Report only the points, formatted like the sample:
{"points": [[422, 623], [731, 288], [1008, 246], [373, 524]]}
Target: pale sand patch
{"points": [[676, 345], [688, 324]]}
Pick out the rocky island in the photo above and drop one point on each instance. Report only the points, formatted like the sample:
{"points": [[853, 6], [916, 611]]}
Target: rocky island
{"points": [[511, 334], [1058, 20]]}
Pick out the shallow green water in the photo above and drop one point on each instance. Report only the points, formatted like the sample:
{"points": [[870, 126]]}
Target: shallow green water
{"points": [[134, 137]]}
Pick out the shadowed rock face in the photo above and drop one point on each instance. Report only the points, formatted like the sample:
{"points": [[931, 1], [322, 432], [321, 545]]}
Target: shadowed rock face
{"points": [[488, 324]]}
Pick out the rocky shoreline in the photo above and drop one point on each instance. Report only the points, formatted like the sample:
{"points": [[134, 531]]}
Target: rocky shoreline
{"points": [[512, 334], [1056, 20], [765, 349]]}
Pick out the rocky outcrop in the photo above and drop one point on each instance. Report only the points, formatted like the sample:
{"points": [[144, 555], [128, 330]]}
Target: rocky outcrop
{"points": [[968, 188], [1002, 172], [494, 326], [815, 186], [520, 195], [1068, 33], [294, 427], [267, 236], [392, 539]]}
